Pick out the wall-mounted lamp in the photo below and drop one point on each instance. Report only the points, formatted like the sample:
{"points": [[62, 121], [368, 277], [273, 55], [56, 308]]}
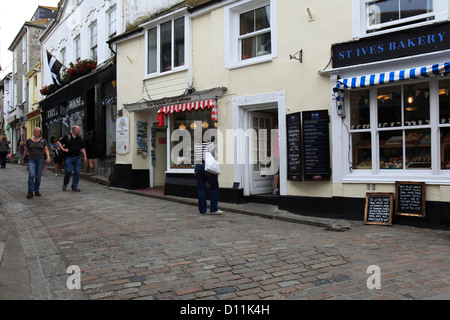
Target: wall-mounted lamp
{"points": [[300, 56]]}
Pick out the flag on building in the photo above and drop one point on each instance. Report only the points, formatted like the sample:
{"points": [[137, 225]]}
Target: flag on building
{"points": [[55, 66]]}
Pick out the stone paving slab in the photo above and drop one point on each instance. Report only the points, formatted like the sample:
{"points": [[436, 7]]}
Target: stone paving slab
{"points": [[128, 246]]}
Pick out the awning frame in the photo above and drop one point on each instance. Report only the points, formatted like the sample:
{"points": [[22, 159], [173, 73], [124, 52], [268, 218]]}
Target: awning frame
{"points": [[188, 106], [385, 78]]}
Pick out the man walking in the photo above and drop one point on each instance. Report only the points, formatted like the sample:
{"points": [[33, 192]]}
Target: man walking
{"points": [[73, 145]]}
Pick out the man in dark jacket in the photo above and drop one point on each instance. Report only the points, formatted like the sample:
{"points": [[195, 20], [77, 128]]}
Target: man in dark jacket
{"points": [[73, 146]]}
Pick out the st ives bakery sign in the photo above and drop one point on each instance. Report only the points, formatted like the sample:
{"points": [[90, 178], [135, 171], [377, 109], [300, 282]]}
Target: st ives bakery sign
{"points": [[391, 46]]}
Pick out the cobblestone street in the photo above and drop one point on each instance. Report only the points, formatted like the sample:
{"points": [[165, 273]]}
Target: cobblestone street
{"points": [[130, 246]]}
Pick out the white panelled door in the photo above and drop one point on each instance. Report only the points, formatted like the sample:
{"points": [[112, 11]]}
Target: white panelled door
{"points": [[260, 153]]}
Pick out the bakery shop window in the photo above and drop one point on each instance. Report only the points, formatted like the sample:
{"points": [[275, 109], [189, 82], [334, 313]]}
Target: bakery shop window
{"points": [[444, 123], [401, 127], [360, 109], [362, 151], [405, 149]]}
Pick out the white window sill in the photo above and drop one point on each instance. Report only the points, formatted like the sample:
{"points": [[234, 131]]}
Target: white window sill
{"points": [[161, 74], [393, 175], [251, 61], [181, 171]]}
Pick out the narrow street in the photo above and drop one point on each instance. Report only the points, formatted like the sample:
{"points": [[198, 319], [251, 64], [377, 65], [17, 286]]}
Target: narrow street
{"points": [[129, 246]]}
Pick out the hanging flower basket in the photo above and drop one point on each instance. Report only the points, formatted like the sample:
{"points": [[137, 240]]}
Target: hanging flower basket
{"points": [[48, 90], [81, 68]]}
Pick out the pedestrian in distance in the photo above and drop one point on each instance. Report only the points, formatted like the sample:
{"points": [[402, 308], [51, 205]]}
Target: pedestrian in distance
{"points": [[21, 150], [57, 155], [37, 150], [203, 177], [73, 145], [4, 149]]}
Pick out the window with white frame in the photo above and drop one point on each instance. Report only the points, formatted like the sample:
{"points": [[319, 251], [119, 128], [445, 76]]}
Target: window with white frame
{"points": [[16, 95], [24, 49], [16, 56], [381, 16], [166, 46], [24, 89], [111, 20], [35, 88], [111, 26], [402, 128], [77, 48], [62, 54], [93, 40], [250, 32]]}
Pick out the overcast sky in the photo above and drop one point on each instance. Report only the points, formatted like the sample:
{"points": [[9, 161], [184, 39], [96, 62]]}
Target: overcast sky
{"points": [[13, 14]]}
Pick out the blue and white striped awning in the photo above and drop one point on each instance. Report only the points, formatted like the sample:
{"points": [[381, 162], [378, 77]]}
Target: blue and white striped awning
{"points": [[385, 78]]}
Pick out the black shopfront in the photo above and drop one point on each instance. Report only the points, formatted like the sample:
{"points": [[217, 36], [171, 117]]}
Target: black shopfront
{"points": [[88, 102]]}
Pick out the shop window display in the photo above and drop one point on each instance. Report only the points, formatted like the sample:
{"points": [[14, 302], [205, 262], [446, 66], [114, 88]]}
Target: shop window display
{"points": [[416, 101], [445, 148], [360, 121], [403, 130], [362, 151], [444, 123], [360, 109], [389, 107], [186, 123]]}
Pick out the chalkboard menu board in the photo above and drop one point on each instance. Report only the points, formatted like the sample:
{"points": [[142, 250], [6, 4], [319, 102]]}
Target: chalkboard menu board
{"points": [[410, 199], [316, 145], [294, 156], [379, 207]]}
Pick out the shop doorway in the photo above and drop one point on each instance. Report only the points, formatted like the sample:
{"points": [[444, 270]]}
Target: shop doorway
{"points": [[262, 110], [158, 156], [260, 152]]}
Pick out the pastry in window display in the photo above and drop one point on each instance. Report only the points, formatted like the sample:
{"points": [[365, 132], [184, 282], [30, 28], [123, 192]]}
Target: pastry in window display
{"points": [[365, 164], [420, 161], [426, 139], [413, 137], [394, 140], [392, 163]]}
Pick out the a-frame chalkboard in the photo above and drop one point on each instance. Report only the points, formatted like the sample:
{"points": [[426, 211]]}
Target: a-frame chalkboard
{"points": [[410, 199], [379, 208]]}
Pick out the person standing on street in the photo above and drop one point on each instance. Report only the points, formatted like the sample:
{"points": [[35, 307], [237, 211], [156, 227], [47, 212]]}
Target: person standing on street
{"points": [[21, 150], [4, 149], [73, 145], [37, 150], [57, 155], [202, 177]]}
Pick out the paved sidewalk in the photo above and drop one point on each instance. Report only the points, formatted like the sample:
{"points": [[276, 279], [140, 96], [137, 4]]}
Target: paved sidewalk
{"points": [[130, 246]]}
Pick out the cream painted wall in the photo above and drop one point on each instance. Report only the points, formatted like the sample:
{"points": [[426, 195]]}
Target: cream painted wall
{"points": [[130, 70], [130, 75]]}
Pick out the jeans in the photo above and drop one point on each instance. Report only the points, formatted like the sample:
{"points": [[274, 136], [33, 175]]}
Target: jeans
{"points": [[70, 162], [202, 177], [35, 167]]}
